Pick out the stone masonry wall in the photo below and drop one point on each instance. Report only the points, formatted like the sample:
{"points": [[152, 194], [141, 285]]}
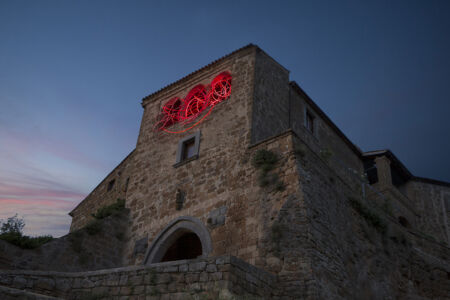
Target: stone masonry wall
{"points": [[77, 251], [270, 107], [221, 179], [432, 201], [221, 277], [101, 196], [349, 257], [324, 140]]}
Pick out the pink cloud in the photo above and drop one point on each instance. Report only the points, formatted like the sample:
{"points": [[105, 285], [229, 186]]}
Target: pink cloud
{"points": [[17, 191], [19, 144]]}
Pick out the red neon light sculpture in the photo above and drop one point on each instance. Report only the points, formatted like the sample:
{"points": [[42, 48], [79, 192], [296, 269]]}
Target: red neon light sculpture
{"points": [[195, 102], [199, 98], [220, 88]]}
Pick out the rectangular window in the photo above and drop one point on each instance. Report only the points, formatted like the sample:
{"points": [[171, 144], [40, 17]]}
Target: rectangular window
{"points": [[111, 184], [126, 184], [188, 148], [309, 122]]}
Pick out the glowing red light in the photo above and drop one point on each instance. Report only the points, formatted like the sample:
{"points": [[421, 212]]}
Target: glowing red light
{"points": [[194, 104], [200, 97], [220, 88], [170, 113]]}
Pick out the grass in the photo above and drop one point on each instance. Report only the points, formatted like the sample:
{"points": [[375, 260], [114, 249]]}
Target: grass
{"points": [[387, 207], [109, 210], [94, 227], [24, 241], [370, 216], [326, 154], [265, 161]]}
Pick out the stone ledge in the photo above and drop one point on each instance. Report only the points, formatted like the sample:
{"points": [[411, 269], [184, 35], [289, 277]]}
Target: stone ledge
{"points": [[6, 292], [211, 275]]}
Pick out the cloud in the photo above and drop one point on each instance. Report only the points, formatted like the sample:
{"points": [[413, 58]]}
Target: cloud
{"points": [[23, 144], [7, 190], [41, 202], [42, 217]]}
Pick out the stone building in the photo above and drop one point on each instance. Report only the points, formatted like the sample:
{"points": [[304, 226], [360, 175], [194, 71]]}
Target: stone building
{"points": [[237, 160]]}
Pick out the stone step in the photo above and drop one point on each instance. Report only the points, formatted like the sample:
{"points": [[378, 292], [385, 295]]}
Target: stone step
{"points": [[7, 293]]}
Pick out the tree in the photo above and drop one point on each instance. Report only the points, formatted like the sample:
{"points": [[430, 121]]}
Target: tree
{"points": [[14, 225], [11, 232]]}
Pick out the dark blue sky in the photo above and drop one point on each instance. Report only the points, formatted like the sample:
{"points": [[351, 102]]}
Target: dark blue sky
{"points": [[72, 74]]}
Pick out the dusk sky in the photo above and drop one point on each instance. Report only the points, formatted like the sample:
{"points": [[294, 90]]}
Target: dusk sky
{"points": [[73, 73]]}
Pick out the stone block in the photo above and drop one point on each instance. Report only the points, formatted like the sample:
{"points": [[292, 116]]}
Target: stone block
{"points": [[211, 268], [163, 278], [139, 289], [190, 278], [46, 284], [197, 266], [19, 282], [215, 276], [125, 290], [183, 268], [223, 260]]}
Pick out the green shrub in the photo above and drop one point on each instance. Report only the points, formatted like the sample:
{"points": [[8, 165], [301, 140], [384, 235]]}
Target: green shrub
{"points": [[387, 207], [326, 154], [11, 232], [24, 241], [264, 160], [109, 210], [300, 150], [370, 216], [93, 227]]}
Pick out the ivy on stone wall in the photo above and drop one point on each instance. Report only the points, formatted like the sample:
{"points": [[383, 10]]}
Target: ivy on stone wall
{"points": [[370, 216], [109, 210], [265, 161]]}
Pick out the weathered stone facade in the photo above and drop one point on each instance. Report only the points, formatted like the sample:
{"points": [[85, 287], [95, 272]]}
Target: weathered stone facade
{"points": [[314, 220]]}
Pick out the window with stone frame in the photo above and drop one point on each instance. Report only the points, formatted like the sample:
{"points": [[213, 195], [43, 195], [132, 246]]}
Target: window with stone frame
{"points": [[188, 149]]}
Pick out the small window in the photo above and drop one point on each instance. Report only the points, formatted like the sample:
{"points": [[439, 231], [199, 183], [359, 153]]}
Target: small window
{"points": [[188, 149], [126, 184], [370, 168], [111, 184], [309, 121]]}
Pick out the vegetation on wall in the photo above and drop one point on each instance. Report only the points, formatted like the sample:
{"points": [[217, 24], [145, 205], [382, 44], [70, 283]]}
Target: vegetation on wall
{"points": [[276, 235], [11, 231], [326, 154], [265, 161], [109, 210], [370, 216]]}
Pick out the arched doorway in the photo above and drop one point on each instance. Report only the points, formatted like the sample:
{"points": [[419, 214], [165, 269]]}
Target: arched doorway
{"points": [[183, 238], [187, 246]]}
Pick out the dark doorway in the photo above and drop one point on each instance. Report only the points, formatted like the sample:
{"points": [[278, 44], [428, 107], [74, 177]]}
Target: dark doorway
{"points": [[187, 246]]}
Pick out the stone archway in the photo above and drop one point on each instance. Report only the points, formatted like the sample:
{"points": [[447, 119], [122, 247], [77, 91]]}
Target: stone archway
{"points": [[184, 238]]}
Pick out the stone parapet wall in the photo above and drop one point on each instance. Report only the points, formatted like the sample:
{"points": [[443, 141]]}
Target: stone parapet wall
{"points": [[222, 277]]}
